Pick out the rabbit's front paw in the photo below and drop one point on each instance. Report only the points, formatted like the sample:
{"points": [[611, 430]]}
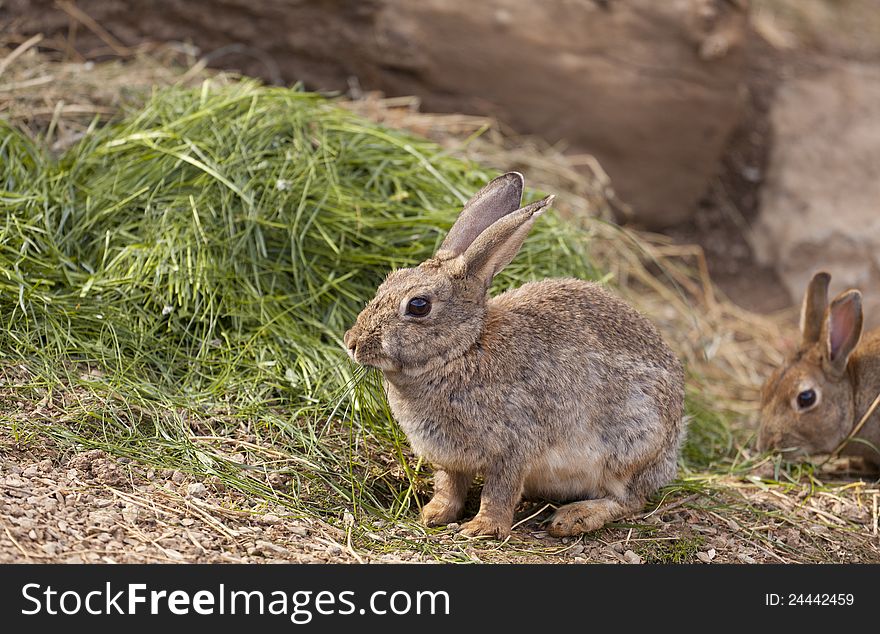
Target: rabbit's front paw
{"points": [[485, 525], [439, 512]]}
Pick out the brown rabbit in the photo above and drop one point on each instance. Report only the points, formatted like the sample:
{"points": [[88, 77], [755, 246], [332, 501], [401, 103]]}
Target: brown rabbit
{"points": [[556, 389], [812, 403]]}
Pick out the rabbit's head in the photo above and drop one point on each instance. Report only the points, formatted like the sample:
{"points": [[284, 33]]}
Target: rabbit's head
{"points": [[807, 405], [422, 317]]}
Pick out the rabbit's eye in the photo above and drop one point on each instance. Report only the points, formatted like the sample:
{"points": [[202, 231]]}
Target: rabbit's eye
{"points": [[418, 307], [806, 399]]}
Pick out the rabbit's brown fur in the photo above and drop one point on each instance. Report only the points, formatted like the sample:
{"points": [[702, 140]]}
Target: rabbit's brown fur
{"points": [[557, 389], [840, 366]]}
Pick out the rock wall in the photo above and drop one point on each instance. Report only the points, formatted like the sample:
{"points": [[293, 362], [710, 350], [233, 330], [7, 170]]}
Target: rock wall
{"points": [[820, 203]]}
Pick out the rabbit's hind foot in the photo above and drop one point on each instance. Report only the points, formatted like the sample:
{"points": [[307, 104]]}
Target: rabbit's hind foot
{"points": [[586, 516]]}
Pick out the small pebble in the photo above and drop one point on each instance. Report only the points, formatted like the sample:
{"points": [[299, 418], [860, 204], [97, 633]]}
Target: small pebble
{"points": [[26, 523], [196, 490], [269, 546], [130, 513], [631, 557]]}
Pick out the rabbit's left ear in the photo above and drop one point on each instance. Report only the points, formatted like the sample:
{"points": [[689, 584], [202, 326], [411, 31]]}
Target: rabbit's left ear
{"points": [[498, 245], [495, 200], [813, 308]]}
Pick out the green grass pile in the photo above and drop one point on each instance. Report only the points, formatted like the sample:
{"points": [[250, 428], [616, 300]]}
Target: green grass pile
{"points": [[186, 275]]}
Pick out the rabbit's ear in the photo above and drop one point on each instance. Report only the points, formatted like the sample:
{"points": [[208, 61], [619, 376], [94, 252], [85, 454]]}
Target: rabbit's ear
{"points": [[813, 309], [498, 198], [843, 329], [496, 246]]}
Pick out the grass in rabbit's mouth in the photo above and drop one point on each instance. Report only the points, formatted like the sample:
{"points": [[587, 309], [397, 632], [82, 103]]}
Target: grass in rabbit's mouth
{"points": [[174, 288]]}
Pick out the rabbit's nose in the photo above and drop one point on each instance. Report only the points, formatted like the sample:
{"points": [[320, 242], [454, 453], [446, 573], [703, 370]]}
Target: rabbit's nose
{"points": [[767, 440], [762, 444], [350, 340]]}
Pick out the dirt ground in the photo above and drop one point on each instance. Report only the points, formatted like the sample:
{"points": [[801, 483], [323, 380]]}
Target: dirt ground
{"points": [[88, 507], [91, 508]]}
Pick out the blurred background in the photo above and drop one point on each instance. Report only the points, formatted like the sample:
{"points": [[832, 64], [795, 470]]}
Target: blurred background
{"points": [[749, 128]]}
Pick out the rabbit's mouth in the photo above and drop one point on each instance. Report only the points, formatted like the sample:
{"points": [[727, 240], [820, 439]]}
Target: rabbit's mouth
{"points": [[790, 448], [380, 363], [363, 356], [791, 452]]}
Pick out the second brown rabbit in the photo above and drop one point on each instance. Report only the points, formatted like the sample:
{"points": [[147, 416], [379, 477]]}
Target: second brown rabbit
{"points": [[812, 403]]}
